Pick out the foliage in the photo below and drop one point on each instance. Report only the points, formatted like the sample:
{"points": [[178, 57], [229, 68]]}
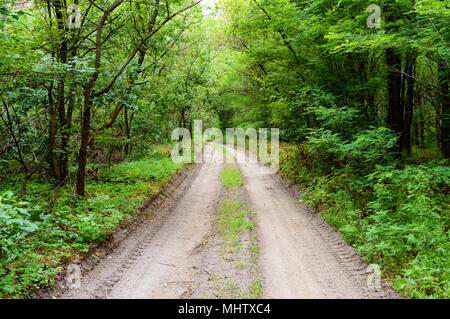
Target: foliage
{"points": [[395, 217], [233, 223], [37, 238], [156, 168], [233, 218], [364, 114]]}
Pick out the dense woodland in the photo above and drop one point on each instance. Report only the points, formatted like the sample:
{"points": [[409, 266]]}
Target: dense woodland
{"points": [[90, 96]]}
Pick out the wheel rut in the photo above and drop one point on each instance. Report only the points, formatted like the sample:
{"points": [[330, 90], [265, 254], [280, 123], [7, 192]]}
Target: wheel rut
{"points": [[300, 256], [158, 260]]}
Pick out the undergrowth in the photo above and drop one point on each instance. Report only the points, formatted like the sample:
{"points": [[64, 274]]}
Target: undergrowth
{"points": [[395, 214], [233, 222], [50, 227]]}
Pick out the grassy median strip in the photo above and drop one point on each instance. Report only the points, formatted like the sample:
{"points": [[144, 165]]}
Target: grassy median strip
{"points": [[237, 234], [233, 222], [231, 178]]}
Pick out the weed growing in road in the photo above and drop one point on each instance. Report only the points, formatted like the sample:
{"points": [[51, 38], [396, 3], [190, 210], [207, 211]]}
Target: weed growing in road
{"points": [[254, 291], [236, 233], [231, 178], [233, 223]]}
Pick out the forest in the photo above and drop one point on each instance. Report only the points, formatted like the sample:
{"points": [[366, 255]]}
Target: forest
{"points": [[91, 91]]}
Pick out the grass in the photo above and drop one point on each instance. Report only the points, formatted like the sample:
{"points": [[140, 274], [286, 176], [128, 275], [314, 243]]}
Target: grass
{"points": [[233, 218], [254, 291], [395, 216], [233, 222], [224, 288], [50, 227], [158, 168], [231, 178]]}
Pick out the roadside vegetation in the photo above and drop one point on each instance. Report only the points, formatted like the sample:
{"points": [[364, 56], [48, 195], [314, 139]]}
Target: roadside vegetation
{"points": [[395, 214], [49, 227]]}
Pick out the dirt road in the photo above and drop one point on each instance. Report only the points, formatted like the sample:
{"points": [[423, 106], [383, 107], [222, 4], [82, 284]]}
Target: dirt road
{"points": [[158, 260], [299, 256]]}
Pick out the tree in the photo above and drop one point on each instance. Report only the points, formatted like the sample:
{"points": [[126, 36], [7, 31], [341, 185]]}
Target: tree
{"points": [[89, 88]]}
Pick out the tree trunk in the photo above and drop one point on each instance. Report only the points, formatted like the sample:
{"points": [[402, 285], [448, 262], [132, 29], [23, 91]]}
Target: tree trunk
{"points": [[444, 97], [85, 129], [61, 132], [66, 136], [67, 127], [126, 131], [88, 100], [409, 101], [24, 184], [438, 126], [421, 129], [52, 130], [395, 108]]}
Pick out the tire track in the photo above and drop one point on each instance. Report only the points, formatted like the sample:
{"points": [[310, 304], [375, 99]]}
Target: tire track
{"points": [[156, 261], [301, 256]]}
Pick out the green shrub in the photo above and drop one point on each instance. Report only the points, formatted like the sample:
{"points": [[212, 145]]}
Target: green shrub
{"points": [[159, 168], [48, 227], [396, 216], [231, 178]]}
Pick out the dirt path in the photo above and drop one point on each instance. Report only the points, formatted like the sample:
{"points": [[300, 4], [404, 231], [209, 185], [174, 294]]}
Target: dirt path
{"points": [[300, 257], [168, 256], [159, 260]]}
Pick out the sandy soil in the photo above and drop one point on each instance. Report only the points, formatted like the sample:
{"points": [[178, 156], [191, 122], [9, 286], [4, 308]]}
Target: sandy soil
{"points": [[159, 259], [300, 257], [166, 257]]}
